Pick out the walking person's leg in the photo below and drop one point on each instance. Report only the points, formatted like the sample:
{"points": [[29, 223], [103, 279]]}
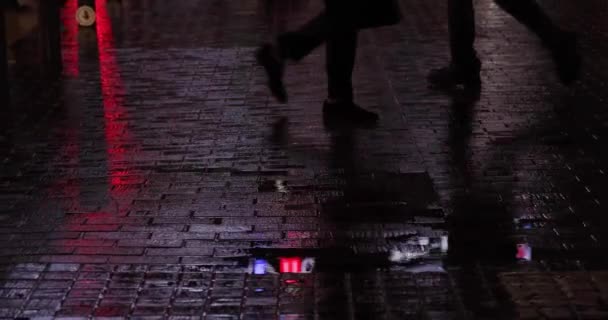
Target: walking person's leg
{"points": [[464, 66], [294, 46], [561, 43], [341, 52], [341, 40]]}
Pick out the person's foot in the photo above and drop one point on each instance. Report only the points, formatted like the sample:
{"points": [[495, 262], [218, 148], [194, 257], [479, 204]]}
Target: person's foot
{"points": [[348, 113], [269, 58], [456, 75], [567, 59]]}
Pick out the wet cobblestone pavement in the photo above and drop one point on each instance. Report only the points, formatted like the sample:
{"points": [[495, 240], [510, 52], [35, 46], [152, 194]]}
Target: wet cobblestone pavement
{"points": [[157, 178]]}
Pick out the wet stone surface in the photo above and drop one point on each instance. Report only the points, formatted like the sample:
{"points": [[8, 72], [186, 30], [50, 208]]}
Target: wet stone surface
{"points": [[157, 179]]}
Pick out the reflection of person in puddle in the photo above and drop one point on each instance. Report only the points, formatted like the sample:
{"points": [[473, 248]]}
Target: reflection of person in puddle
{"points": [[480, 223], [473, 209]]}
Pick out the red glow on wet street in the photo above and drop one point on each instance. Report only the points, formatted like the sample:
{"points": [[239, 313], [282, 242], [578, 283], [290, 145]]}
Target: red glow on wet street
{"points": [[290, 265], [116, 128]]}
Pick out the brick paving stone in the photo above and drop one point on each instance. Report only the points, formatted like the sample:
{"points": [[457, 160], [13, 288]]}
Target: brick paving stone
{"points": [[560, 295]]}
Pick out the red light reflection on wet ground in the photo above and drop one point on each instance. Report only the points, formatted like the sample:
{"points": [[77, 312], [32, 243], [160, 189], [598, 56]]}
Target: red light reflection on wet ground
{"points": [[116, 128], [67, 189], [290, 265]]}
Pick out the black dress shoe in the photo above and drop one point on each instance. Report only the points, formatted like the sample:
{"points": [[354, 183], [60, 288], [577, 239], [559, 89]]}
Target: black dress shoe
{"points": [[348, 113], [274, 67], [455, 74], [567, 59]]}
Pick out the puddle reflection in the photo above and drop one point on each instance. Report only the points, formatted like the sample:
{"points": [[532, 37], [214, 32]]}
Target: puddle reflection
{"points": [[524, 252], [405, 259], [260, 266]]}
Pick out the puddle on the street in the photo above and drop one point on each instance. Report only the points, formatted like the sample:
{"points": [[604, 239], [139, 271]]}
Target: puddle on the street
{"points": [[409, 257], [367, 221]]}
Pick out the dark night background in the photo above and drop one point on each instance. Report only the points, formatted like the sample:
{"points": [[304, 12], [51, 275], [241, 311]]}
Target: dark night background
{"points": [[145, 170]]}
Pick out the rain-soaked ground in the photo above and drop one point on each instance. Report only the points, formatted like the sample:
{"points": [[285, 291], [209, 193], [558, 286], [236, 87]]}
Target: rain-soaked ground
{"points": [[157, 178]]}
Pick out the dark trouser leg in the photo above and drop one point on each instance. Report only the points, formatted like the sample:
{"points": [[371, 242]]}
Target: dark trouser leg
{"points": [[297, 44], [291, 46], [530, 14], [340, 62], [461, 21], [341, 52], [562, 44], [465, 66]]}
